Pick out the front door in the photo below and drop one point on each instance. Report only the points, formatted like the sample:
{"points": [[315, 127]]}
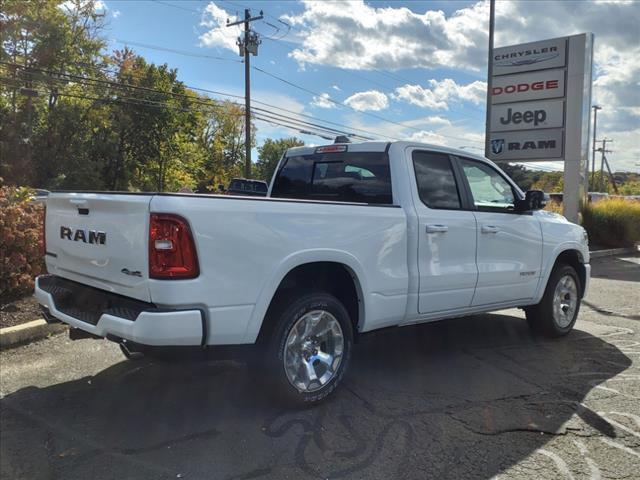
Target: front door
{"points": [[509, 243], [446, 236]]}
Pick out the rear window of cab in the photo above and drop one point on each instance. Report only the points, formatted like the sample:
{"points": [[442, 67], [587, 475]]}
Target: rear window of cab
{"points": [[360, 177]]}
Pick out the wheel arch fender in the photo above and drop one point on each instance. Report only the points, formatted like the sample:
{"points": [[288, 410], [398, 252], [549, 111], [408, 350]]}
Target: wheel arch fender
{"points": [[299, 259], [576, 256]]}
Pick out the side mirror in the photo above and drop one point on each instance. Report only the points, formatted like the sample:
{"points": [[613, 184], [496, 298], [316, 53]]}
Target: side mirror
{"points": [[533, 200]]}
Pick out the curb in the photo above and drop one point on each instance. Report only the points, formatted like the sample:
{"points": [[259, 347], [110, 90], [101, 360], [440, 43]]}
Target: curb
{"points": [[612, 251], [28, 332]]}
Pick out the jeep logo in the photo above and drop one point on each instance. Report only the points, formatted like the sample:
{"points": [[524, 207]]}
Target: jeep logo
{"points": [[85, 236], [530, 116]]}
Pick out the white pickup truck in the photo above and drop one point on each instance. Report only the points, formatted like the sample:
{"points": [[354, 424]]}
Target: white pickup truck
{"points": [[351, 238]]}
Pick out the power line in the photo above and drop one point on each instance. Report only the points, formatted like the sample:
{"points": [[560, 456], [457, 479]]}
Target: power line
{"points": [[179, 7], [304, 129], [373, 115], [388, 74], [173, 50], [151, 90], [270, 117]]}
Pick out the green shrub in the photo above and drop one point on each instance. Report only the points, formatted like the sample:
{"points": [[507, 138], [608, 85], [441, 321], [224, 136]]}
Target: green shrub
{"points": [[613, 222], [21, 256]]}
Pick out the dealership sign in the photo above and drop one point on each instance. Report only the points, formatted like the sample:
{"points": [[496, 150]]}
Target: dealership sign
{"points": [[530, 144], [528, 57], [533, 105], [527, 115], [528, 86]]}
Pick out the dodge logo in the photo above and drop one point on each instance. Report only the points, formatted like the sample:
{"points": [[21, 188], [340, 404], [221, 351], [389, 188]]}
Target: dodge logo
{"points": [[525, 87], [85, 236]]}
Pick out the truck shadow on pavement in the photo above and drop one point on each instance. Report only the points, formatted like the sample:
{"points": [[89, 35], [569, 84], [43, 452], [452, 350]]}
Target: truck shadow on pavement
{"points": [[464, 398]]}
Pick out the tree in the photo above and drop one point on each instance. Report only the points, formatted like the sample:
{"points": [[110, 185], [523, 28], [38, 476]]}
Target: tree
{"points": [[155, 123], [222, 137], [269, 155], [519, 174], [550, 182], [41, 40]]}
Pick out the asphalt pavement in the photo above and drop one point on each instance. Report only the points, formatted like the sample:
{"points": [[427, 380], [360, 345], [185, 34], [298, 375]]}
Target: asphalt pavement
{"points": [[475, 397]]}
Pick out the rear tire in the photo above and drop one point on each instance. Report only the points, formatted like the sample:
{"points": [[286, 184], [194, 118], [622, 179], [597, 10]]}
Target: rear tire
{"points": [[309, 350], [558, 309]]}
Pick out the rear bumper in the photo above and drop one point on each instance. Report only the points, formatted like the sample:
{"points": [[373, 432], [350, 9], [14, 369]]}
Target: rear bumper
{"points": [[115, 316]]}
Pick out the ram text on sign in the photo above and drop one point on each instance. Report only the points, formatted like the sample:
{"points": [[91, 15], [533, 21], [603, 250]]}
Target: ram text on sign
{"points": [[538, 144], [528, 57], [527, 116], [528, 86]]}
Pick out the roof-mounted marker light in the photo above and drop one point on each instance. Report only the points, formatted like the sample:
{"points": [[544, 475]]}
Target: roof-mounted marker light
{"points": [[331, 149]]}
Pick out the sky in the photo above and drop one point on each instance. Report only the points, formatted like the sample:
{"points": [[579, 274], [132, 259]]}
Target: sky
{"points": [[406, 70]]}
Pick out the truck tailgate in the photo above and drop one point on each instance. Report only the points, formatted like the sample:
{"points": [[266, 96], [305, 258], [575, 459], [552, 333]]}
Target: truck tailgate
{"points": [[100, 239]]}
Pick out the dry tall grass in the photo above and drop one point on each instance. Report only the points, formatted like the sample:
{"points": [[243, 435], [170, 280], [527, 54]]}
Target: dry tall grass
{"points": [[613, 222]]}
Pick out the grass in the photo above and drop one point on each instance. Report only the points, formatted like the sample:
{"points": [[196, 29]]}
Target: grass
{"points": [[613, 222]]}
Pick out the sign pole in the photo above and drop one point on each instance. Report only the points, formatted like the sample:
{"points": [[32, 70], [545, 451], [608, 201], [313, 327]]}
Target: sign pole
{"points": [[492, 20], [578, 111]]}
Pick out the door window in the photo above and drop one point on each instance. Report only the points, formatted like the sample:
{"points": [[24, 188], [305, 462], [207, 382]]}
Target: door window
{"points": [[435, 180], [489, 189]]}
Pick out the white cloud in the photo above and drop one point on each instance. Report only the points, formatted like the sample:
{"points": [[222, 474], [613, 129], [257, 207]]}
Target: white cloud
{"points": [[369, 100], [439, 94], [432, 129], [323, 101], [116, 13], [356, 35], [218, 34], [336, 88], [437, 120], [427, 136], [71, 5]]}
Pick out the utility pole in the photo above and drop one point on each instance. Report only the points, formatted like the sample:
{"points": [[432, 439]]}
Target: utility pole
{"points": [[593, 155], [248, 46], [492, 21], [604, 160]]}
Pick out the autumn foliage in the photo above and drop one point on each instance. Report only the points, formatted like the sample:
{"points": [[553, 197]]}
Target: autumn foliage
{"points": [[21, 255]]}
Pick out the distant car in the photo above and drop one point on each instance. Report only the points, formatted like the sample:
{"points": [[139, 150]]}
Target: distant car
{"points": [[248, 187], [40, 195]]}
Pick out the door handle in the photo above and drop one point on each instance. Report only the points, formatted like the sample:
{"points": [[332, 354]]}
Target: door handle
{"points": [[489, 229], [437, 228]]}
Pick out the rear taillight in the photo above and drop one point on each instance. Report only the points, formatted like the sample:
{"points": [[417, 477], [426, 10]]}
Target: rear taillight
{"points": [[172, 253]]}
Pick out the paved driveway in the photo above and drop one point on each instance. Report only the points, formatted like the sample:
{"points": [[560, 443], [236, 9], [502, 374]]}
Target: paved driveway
{"points": [[475, 397]]}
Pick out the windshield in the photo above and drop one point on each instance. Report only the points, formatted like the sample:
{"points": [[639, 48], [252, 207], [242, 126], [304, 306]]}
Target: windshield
{"points": [[362, 177]]}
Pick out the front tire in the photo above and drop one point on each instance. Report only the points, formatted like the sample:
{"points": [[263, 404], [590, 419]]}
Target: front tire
{"points": [[310, 348], [557, 312]]}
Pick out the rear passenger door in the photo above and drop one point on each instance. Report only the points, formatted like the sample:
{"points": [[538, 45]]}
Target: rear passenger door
{"points": [[446, 235], [509, 247]]}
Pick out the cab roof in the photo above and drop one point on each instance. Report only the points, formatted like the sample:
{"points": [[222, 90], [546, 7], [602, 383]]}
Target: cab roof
{"points": [[376, 146]]}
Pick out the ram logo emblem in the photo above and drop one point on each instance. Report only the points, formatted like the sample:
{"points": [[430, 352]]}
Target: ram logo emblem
{"points": [[85, 236]]}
